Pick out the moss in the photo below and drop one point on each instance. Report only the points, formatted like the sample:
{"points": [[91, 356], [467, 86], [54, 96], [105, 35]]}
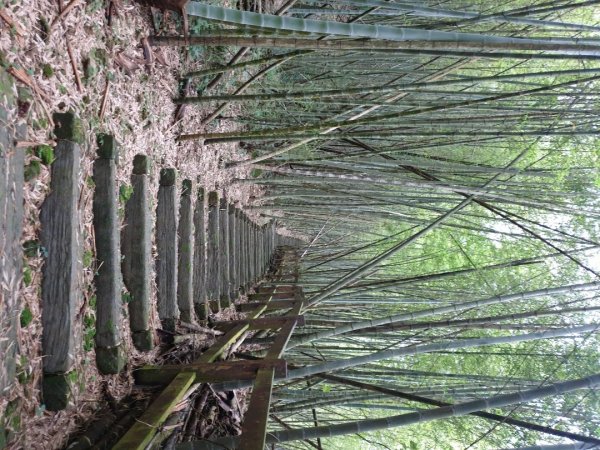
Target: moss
{"points": [[68, 127], [32, 170], [26, 317], [45, 153], [167, 177], [32, 248], [107, 146], [88, 259], [125, 192], [141, 164], [27, 275], [47, 70], [56, 391]]}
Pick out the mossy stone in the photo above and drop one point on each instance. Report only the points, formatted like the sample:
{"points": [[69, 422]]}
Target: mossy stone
{"points": [[143, 340], [141, 165], [56, 391], [68, 127], [168, 324], [186, 315], [200, 194], [225, 301], [200, 309], [107, 146], [168, 177], [110, 360], [186, 187], [213, 198]]}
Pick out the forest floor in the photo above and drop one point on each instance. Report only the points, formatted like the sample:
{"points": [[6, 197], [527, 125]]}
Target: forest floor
{"points": [[69, 57]]}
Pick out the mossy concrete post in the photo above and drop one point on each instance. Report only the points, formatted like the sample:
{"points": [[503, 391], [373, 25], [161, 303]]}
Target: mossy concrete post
{"points": [[239, 251], [242, 251], [185, 270], [200, 301], [12, 159], [166, 244], [110, 357], [262, 250], [61, 283], [248, 261], [136, 246], [224, 250], [213, 265], [254, 260], [233, 254]]}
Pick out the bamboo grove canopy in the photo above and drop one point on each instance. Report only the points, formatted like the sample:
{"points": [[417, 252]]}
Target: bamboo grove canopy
{"points": [[440, 160]]}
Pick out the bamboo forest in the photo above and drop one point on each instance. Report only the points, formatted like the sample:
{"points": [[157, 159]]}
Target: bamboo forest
{"points": [[421, 182], [441, 160]]}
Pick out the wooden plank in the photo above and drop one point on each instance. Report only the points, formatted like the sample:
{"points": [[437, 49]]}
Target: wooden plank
{"points": [[61, 237], [136, 247], [110, 357], [185, 268], [166, 244], [213, 372], [254, 427], [140, 434]]}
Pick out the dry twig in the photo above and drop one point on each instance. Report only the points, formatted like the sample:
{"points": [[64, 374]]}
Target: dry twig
{"points": [[63, 14], [73, 64], [12, 23], [104, 100]]}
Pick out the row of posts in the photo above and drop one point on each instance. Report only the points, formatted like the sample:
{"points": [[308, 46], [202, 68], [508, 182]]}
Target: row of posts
{"points": [[208, 251]]}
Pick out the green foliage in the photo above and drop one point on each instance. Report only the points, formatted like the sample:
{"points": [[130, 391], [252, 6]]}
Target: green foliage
{"points": [[33, 248], [89, 332], [47, 71], [32, 170], [45, 153], [27, 274], [88, 258], [125, 192], [26, 317]]}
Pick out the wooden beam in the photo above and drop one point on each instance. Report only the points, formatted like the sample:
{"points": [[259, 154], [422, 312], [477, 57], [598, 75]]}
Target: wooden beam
{"points": [[210, 372], [141, 433], [254, 428], [270, 306], [264, 323]]}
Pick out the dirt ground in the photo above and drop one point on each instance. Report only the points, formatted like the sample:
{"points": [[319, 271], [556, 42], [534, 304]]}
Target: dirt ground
{"points": [[66, 56]]}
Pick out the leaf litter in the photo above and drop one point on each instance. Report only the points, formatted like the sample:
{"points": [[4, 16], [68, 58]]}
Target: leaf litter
{"points": [[123, 90]]}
